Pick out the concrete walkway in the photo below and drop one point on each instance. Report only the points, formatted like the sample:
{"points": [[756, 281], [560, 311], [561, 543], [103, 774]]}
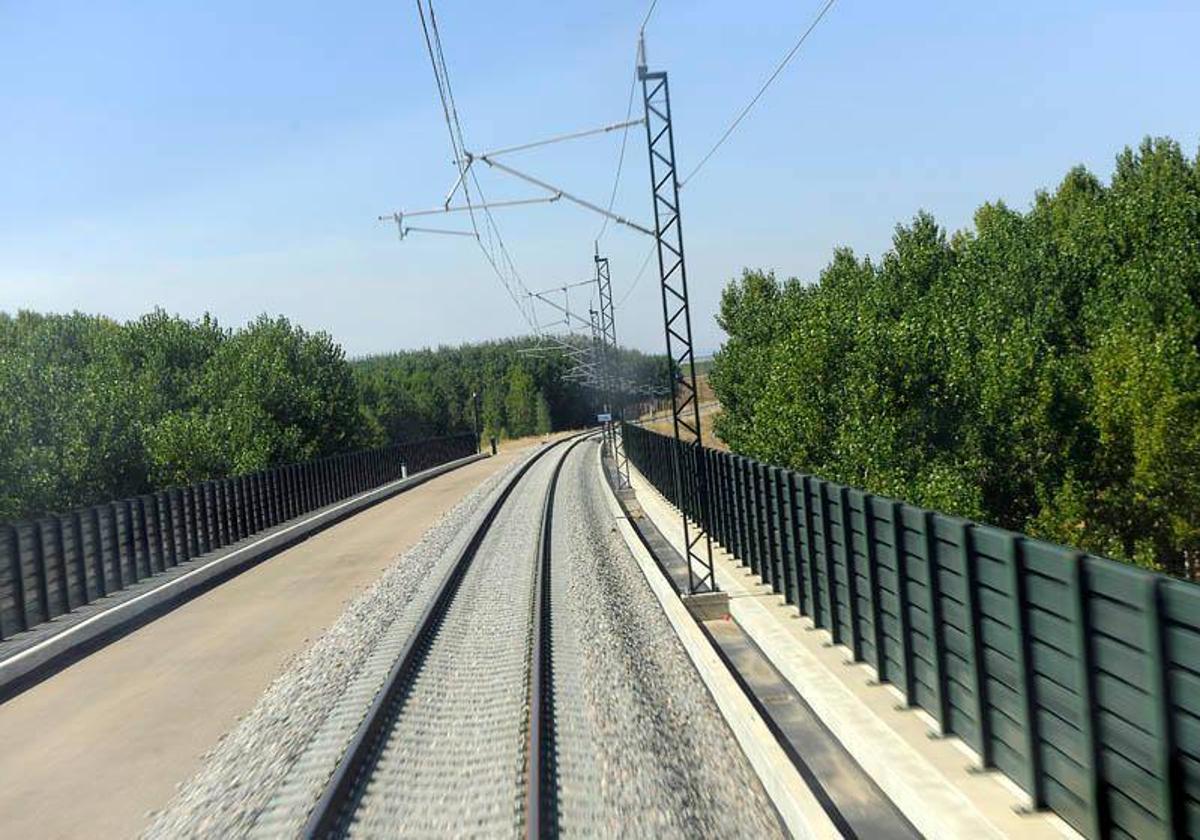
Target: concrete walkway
{"points": [[91, 750]]}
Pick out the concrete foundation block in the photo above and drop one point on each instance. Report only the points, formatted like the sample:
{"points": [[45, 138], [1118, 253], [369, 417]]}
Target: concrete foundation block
{"points": [[707, 606]]}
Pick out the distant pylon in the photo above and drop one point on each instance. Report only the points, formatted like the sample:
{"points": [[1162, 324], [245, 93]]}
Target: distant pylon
{"points": [[611, 367]]}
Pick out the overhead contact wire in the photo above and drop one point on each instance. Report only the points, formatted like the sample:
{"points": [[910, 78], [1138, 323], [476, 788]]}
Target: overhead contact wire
{"points": [[749, 105], [507, 273]]}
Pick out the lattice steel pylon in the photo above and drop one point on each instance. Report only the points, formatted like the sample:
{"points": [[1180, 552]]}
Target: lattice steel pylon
{"points": [[613, 381], [677, 321]]}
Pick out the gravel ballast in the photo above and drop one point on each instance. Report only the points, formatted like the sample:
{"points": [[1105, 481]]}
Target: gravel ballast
{"points": [[641, 748], [453, 763]]}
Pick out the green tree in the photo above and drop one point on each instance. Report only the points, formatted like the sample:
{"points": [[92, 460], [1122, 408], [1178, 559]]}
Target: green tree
{"points": [[69, 431], [542, 423], [519, 404], [271, 393], [1040, 371], [96, 410]]}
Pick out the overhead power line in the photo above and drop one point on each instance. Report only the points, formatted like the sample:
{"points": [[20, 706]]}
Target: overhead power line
{"points": [[490, 242], [612, 198], [638, 277], [749, 105], [646, 19]]}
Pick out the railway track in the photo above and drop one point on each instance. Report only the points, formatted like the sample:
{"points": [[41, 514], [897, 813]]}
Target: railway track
{"points": [[469, 700]]}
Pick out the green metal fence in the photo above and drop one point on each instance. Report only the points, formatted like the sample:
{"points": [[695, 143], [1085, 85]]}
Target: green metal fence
{"points": [[1076, 676], [55, 564]]}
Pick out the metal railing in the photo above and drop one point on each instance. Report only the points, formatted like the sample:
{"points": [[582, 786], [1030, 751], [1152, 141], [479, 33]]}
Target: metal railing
{"points": [[1076, 676], [55, 564]]}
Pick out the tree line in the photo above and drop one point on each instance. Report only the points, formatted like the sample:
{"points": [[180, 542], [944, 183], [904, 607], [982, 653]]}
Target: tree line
{"points": [[92, 409], [1039, 371], [522, 388]]}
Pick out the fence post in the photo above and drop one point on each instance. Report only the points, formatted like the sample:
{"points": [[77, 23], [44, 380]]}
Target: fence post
{"points": [[715, 501], [8, 539], [730, 495], [183, 545], [1024, 663], [154, 533], [743, 510], [313, 485], [774, 529], [796, 508], [166, 527], [868, 503], [60, 556], [762, 506], [1168, 770], [212, 525], [246, 499], [39, 567], [936, 631], [851, 574], [144, 534], [835, 629], [237, 508], [274, 516], [249, 513], [179, 532], [237, 495], [149, 533], [72, 525], [1096, 800], [133, 553], [97, 542], [220, 514], [289, 492], [204, 516], [814, 591], [906, 653], [753, 557], [293, 501], [787, 545], [262, 500], [715, 513], [975, 642], [216, 524], [723, 499], [113, 545], [762, 523], [74, 589]]}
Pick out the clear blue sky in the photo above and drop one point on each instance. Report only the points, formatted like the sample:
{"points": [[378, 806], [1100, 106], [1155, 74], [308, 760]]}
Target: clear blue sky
{"points": [[232, 157]]}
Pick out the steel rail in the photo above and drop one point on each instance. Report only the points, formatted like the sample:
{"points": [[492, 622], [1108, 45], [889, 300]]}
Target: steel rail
{"points": [[540, 799], [329, 809]]}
